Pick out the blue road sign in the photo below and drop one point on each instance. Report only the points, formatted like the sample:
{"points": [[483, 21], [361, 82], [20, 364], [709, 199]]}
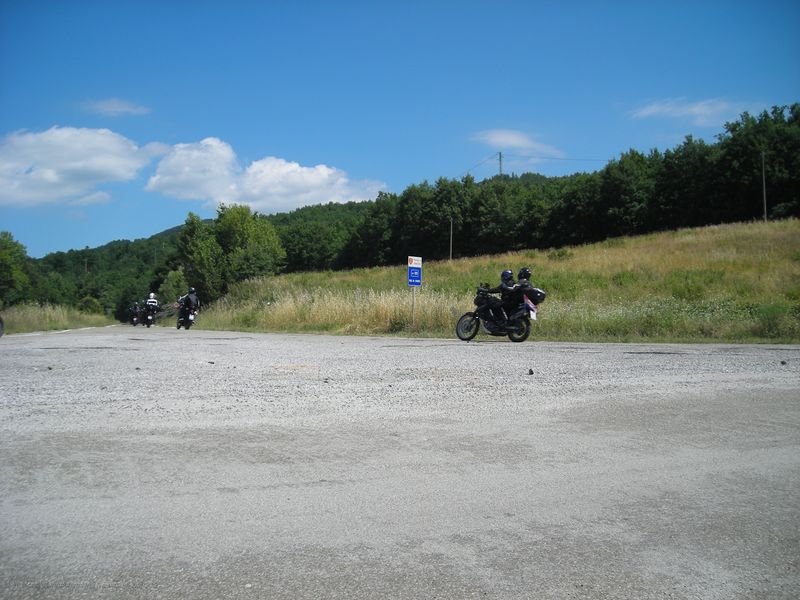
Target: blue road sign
{"points": [[415, 276]]}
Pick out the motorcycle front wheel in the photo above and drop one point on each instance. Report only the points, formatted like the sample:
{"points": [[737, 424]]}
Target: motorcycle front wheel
{"points": [[467, 326], [519, 330]]}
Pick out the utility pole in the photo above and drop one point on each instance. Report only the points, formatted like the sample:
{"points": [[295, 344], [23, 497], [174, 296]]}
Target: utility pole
{"points": [[764, 185], [451, 237], [500, 159]]}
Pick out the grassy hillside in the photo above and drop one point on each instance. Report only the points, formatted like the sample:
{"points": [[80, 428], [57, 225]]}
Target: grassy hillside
{"points": [[731, 283]]}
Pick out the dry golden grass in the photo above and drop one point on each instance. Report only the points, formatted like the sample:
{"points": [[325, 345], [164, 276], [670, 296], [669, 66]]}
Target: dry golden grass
{"points": [[33, 317]]}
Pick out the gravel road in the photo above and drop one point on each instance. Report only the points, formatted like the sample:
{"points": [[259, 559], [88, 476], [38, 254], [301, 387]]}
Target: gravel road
{"points": [[156, 463]]}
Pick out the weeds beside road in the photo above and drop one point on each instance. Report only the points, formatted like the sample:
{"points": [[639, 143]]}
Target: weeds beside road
{"points": [[731, 284]]}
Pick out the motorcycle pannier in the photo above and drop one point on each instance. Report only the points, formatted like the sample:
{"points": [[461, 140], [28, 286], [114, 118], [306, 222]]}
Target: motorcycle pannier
{"points": [[536, 295]]}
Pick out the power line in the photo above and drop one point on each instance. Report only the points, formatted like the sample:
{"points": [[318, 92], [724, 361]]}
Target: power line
{"points": [[500, 155], [485, 160], [534, 156]]}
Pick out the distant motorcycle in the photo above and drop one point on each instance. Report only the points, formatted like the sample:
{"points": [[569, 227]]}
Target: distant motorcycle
{"points": [[521, 311], [186, 316], [2, 327], [135, 316], [150, 311]]}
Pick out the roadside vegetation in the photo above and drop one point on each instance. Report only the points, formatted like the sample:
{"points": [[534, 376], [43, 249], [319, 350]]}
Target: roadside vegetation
{"points": [[694, 184], [22, 318], [590, 237], [730, 283]]}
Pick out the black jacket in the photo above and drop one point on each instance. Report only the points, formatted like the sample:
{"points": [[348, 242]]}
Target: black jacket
{"points": [[190, 301], [506, 290]]}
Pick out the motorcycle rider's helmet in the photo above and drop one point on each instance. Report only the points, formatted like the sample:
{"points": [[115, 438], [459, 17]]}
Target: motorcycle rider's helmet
{"points": [[191, 290], [507, 276], [152, 295], [524, 273]]}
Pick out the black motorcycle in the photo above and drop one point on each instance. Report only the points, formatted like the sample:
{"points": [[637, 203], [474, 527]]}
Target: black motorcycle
{"points": [[521, 310], [149, 317], [186, 316]]}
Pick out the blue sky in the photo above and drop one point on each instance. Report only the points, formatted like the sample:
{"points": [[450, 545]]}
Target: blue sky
{"points": [[118, 118]]}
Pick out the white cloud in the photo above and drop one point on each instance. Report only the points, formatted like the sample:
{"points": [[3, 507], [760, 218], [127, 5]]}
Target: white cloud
{"points": [[276, 185], [206, 170], [704, 113], [93, 198], [517, 141], [209, 171], [114, 107], [65, 164]]}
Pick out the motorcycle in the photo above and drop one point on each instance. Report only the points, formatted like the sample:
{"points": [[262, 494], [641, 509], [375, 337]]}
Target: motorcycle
{"points": [[135, 315], [2, 327], [186, 316], [150, 314], [523, 309]]}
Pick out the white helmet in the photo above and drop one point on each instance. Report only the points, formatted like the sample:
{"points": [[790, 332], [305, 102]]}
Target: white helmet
{"points": [[152, 295]]}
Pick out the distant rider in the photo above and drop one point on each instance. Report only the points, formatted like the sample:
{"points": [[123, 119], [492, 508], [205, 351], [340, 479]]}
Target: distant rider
{"points": [[190, 301], [152, 303], [134, 312]]}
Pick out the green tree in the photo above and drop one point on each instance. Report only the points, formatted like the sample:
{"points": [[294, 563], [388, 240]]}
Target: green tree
{"points": [[574, 218], [53, 287], [174, 286], [626, 191], [372, 241], [249, 242], [202, 258], [775, 136], [90, 305], [14, 280], [686, 190], [421, 227], [311, 246]]}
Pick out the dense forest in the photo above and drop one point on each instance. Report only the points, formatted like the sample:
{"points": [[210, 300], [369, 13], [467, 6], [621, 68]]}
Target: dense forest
{"points": [[693, 184]]}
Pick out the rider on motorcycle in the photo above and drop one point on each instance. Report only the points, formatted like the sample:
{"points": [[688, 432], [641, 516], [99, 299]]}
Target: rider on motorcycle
{"points": [[506, 291], [151, 304], [190, 301], [134, 312], [152, 301], [151, 308], [524, 287]]}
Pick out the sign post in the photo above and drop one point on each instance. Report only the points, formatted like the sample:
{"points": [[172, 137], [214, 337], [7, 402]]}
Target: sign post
{"points": [[414, 281]]}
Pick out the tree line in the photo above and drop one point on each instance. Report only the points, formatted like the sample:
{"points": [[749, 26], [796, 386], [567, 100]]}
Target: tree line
{"points": [[694, 184]]}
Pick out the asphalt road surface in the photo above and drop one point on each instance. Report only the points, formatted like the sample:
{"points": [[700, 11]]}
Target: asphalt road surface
{"points": [[157, 463]]}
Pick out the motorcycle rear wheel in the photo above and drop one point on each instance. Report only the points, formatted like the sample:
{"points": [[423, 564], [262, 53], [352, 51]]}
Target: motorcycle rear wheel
{"points": [[519, 330], [467, 326]]}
